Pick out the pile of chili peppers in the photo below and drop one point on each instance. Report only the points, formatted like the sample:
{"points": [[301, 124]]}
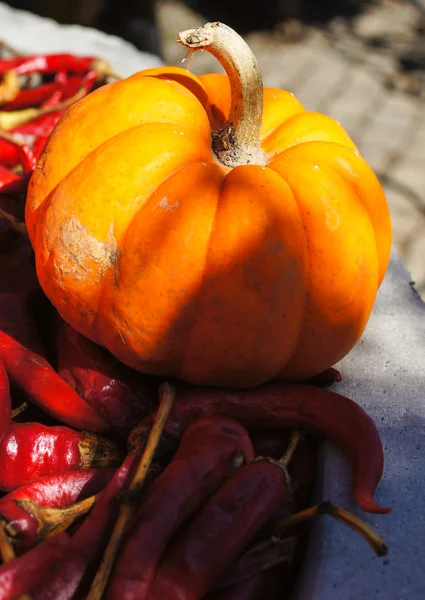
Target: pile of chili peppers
{"points": [[115, 485]]}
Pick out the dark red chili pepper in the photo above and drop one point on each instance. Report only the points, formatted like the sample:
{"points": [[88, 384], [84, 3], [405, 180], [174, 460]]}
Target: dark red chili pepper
{"points": [[17, 185], [9, 158], [220, 531], [312, 409], [119, 394], [5, 404], [7, 176], [325, 378], [50, 63], [52, 491], [21, 574], [31, 450], [209, 451], [21, 352], [261, 586], [88, 542]]}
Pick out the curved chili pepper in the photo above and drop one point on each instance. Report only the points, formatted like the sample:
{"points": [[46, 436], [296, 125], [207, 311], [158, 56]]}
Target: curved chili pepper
{"points": [[7, 176], [312, 409], [50, 63], [88, 542], [9, 158], [209, 451], [17, 185], [5, 404], [38, 145], [52, 491], [21, 574], [220, 531], [40, 126], [25, 154], [31, 450], [21, 352], [33, 96], [119, 394]]}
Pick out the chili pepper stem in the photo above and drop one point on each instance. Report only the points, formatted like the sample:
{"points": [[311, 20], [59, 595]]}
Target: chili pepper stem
{"points": [[54, 520], [167, 394], [10, 120], [293, 444], [343, 516], [7, 551], [16, 225], [19, 409]]}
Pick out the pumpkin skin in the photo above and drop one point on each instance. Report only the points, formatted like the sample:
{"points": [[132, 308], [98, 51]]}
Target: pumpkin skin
{"points": [[182, 267]]}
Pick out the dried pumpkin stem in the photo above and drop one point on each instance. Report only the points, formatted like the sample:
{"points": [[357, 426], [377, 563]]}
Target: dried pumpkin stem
{"points": [[238, 143]]}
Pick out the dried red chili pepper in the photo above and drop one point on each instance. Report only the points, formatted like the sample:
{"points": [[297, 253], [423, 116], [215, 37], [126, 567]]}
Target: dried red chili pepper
{"points": [[220, 531], [312, 409], [5, 404], [31, 450], [50, 63], [21, 574], [209, 451], [21, 351], [88, 542], [119, 394], [15, 186], [48, 492]]}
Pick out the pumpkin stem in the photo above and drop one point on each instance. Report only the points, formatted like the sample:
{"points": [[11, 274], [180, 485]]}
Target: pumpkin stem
{"points": [[238, 142]]}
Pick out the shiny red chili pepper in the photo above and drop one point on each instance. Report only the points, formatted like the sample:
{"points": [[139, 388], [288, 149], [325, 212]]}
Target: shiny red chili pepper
{"points": [[9, 158], [220, 531], [50, 63], [40, 125], [312, 409], [21, 574], [21, 351], [119, 394], [5, 404], [51, 491], [88, 542], [209, 451], [30, 450]]}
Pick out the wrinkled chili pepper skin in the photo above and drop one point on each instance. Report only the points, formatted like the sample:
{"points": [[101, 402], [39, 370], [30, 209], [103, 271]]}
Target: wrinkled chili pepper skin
{"points": [[220, 531], [31, 450], [267, 585], [51, 491], [308, 408], [205, 457], [88, 542], [120, 395], [5, 404], [48, 63], [21, 574], [21, 352]]}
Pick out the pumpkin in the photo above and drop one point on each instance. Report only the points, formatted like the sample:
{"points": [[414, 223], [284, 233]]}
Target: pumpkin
{"points": [[206, 229]]}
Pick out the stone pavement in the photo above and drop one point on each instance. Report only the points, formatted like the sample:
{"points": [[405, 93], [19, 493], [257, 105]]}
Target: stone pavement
{"points": [[336, 72]]}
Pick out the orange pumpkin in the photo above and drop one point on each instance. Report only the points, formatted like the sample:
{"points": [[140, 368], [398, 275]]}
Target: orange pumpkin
{"points": [[202, 228]]}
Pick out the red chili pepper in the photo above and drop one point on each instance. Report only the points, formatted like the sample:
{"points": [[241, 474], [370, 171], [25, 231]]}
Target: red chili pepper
{"points": [[50, 63], [220, 531], [31, 450], [9, 158], [52, 491], [261, 586], [210, 450], [42, 125], [38, 145], [6, 176], [25, 154], [21, 574], [88, 542], [315, 410], [119, 394], [5, 404], [34, 96], [21, 352]]}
